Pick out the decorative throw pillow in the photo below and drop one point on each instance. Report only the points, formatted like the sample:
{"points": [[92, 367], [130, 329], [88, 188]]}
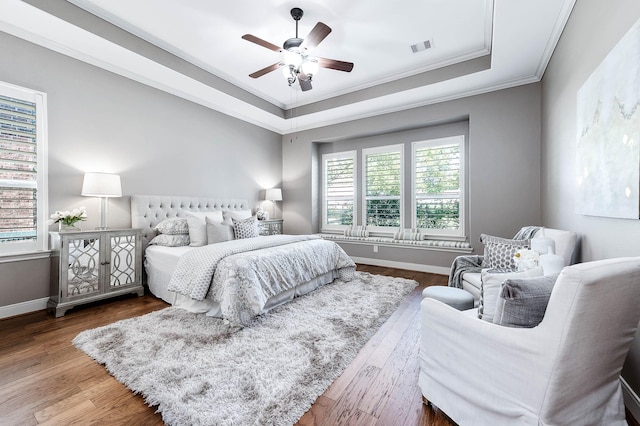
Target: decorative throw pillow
{"points": [[492, 280], [198, 226], [219, 232], [170, 240], [173, 226], [498, 252], [356, 231], [412, 234], [247, 228], [237, 214], [523, 301]]}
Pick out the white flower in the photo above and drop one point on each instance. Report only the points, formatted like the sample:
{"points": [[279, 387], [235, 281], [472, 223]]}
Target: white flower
{"points": [[526, 259], [68, 217]]}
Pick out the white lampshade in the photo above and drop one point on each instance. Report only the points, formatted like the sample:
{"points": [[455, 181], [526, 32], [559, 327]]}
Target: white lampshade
{"points": [[273, 194], [101, 185]]}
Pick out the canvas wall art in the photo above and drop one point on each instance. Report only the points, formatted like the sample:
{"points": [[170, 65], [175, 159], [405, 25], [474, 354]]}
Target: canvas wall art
{"points": [[608, 119]]}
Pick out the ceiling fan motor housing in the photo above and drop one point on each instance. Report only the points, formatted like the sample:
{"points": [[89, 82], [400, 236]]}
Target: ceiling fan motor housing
{"points": [[292, 43]]}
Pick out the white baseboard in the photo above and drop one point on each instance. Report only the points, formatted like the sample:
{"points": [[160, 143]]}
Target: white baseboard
{"points": [[440, 270], [631, 399], [23, 307]]}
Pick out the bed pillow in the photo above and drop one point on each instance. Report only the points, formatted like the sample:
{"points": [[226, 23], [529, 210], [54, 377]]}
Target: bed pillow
{"points": [[498, 252], [170, 240], [173, 226], [198, 226], [492, 280], [523, 302], [247, 228], [219, 232], [237, 214]]}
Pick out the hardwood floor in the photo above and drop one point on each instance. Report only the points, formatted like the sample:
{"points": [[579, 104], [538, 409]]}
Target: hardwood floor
{"points": [[44, 379]]}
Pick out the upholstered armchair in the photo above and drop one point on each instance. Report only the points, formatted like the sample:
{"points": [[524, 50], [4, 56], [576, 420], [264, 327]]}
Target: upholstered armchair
{"points": [[566, 243], [564, 371]]}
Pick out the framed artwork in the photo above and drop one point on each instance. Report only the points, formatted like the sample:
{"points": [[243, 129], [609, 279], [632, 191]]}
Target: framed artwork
{"points": [[608, 127]]}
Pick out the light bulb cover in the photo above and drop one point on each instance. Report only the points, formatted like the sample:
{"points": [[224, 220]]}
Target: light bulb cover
{"points": [[292, 58], [310, 67]]}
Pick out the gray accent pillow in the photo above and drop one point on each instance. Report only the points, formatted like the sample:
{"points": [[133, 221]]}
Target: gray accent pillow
{"points": [[168, 240], [219, 232], [173, 226], [247, 228], [523, 302], [492, 281], [498, 252]]}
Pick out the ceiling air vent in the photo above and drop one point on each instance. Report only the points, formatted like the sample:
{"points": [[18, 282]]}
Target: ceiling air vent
{"points": [[423, 45]]}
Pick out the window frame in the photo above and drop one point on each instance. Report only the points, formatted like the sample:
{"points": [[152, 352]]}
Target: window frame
{"points": [[460, 233], [353, 155], [40, 243], [380, 150]]}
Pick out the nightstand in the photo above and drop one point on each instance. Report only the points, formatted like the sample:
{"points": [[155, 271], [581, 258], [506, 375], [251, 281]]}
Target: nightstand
{"points": [[93, 265], [270, 227]]}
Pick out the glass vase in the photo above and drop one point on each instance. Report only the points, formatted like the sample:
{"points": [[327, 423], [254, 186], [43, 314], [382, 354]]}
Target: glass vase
{"points": [[62, 227]]}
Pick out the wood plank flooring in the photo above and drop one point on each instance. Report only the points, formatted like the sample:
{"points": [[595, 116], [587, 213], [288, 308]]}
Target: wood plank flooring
{"points": [[45, 380]]}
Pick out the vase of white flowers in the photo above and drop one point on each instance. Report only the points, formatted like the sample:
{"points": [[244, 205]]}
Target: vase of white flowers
{"points": [[69, 220]]}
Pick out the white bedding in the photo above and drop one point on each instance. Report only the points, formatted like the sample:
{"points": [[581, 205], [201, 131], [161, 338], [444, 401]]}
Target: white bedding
{"points": [[291, 280]]}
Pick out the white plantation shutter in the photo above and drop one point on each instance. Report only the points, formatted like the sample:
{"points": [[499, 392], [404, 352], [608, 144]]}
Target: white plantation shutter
{"points": [[438, 186], [383, 186], [22, 189], [339, 189]]}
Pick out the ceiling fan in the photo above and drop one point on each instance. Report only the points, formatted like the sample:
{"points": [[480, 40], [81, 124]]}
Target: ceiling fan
{"points": [[298, 64]]}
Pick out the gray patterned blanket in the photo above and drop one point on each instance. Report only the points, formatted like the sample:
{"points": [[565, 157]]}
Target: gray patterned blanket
{"points": [[241, 275]]}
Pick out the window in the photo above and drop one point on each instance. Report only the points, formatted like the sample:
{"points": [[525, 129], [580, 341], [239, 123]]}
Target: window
{"points": [[339, 171], [23, 191], [383, 187], [438, 186]]}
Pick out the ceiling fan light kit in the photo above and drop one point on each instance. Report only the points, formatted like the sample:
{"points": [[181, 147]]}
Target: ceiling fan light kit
{"points": [[298, 64]]}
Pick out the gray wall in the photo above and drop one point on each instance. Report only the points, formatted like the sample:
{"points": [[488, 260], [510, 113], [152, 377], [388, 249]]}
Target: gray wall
{"points": [[158, 143], [593, 29], [503, 165]]}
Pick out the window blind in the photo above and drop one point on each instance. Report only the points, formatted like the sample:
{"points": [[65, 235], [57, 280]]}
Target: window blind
{"points": [[437, 186], [383, 187], [18, 170], [339, 190]]}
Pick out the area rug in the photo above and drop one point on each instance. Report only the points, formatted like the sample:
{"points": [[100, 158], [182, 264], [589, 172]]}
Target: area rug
{"points": [[200, 370]]}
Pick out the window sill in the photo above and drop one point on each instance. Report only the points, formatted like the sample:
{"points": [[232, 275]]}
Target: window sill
{"points": [[441, 245], [17, 257]]}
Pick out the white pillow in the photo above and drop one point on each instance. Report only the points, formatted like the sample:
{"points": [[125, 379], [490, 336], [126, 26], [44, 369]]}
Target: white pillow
{"points": [[237, 214], [198, 226], [219, 232], [492, 280]]}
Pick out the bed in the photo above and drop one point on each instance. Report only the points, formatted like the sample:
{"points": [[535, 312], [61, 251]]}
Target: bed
{"points": [[235, 280]]}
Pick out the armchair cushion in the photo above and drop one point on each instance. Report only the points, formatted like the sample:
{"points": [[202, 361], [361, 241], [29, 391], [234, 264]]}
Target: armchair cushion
{"points": [[523, 302], [492, 280], [498, 252]]}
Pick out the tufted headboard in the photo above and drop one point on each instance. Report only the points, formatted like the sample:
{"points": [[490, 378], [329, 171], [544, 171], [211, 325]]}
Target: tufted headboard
{"points": [[149, 210]]}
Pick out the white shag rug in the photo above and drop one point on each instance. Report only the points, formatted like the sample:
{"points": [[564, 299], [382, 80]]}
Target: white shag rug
{"points": [[200, 370]]}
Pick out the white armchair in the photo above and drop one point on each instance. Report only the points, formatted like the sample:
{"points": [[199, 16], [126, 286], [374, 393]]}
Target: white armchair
{"points": [[565, 246], [565, 371]]}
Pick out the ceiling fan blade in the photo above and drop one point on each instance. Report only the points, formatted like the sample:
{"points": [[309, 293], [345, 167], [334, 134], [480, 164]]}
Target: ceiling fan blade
{"points": [[317, 34], [334, 64], [265, 70], [261, 42], [305, 83]]}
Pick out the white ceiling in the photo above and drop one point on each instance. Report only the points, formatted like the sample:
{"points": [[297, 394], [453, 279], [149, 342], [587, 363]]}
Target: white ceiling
{"points": [[375, 35]]}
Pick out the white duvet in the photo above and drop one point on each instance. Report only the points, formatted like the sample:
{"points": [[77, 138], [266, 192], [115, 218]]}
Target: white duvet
{"points": [[241, 275]]}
